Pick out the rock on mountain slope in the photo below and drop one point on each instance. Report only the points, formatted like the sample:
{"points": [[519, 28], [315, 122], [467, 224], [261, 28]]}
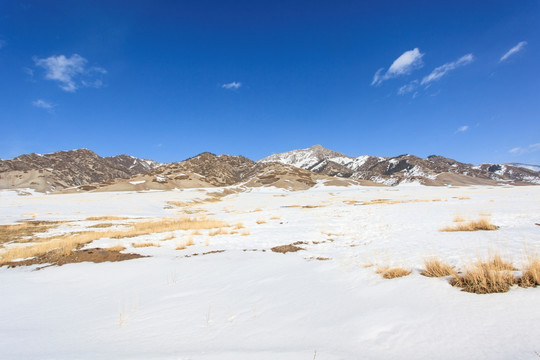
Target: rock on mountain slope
{"points": [[210, 170], [435, 170], [65, 169]]}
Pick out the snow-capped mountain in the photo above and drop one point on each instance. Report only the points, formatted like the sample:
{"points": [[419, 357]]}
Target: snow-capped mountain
{"points": [[308, 158], [525, 166], [435, 170]]}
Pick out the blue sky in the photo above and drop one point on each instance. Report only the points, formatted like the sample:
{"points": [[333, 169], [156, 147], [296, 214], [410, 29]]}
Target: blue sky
{"points": [[167, 80]]}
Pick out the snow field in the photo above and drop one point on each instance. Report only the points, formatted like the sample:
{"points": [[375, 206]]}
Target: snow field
{"points": [[246, 304]]}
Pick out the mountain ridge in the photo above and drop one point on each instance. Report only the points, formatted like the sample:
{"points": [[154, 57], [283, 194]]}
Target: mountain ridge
{"points": [[82, 169]]}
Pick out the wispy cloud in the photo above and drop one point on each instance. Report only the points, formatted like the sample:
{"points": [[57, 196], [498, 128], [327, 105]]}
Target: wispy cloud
{"points": [[69, 71], [462, 128], [40, 103], [232, 85], [410, 87], [403, 65], [2, 43], [513, 50], [524, 150], [442, 70]]}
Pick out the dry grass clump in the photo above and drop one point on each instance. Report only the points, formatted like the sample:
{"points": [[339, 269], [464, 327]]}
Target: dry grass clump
{"points": [[459, 218], [391, 273], [107, 217], [245, 232], [118, 247], [491, 276], [185, 244], [238, 226], [436, 268], [167, 225], [261, 221], [221, 231], [481, 224], [140, 245], [168, 237], [531, 274], [499, 264], [276, 217], [25, 229]]}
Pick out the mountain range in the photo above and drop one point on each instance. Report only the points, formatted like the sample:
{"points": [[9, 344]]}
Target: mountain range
{"points": [[83, 170]]}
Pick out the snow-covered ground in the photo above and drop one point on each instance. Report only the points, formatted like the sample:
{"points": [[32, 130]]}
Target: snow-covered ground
{"points": [[251, 303]]}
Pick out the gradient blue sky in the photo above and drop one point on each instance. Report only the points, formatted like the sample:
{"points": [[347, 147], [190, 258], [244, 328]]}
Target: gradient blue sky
{"points": [[167, 80]]}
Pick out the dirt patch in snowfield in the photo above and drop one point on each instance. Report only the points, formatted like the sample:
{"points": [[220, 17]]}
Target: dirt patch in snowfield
{"points": [[56, 257], [286, 248]]}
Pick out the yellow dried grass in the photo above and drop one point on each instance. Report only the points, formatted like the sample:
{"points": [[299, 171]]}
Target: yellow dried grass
{"points": [[149, 244], [69, 242], [391, 273], [486, 277], [531, 273], [107, 217], [436, 268], [481, 224]]}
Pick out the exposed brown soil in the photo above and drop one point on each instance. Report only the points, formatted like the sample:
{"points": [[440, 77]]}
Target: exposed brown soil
{"points": [[213, 252], [56, 257], [286, 248]]}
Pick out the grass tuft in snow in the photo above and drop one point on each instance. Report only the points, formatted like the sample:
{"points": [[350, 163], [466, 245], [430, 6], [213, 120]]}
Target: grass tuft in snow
{"points": [[147, 244], [481, 224], [436, 268], [391, 273], [531, 273], [486, 277]]}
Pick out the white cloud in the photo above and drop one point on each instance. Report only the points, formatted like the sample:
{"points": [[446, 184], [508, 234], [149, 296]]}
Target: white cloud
{"points": [[529, 149], [40, 103], [442, 70], [515, 150], [463, 128], [67, 70], [410, 87], [232, 85], [403, 65], [513, 50]]}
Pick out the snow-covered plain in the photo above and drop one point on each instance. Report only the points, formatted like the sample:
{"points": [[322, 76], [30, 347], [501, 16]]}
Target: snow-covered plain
{"points": [[251, 303]]}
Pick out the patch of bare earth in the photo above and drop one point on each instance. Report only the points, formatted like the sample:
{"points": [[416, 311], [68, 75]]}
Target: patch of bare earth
{"points": [[286, 248], [58, 257]]}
